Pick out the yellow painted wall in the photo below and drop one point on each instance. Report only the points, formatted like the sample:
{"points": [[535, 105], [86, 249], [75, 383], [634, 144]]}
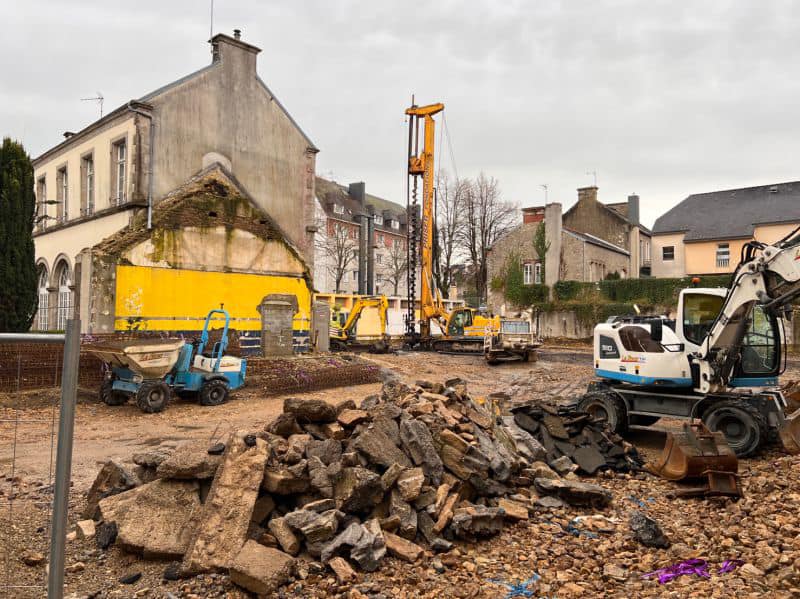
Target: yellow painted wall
{"points": [[772, 233], [701, 256], [167, 299]]}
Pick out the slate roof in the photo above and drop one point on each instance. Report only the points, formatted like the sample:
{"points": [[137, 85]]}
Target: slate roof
{"points": [[733, 213], [331, 191]]}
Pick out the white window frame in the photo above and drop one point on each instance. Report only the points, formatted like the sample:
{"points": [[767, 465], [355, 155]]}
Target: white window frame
{"points": [[64, 298], [378, 219], [664, 253], [120, 171], [394, 223], [723, 255], [527, 274], [88, 165], [537, 273], [44, 301], [63, 186], [338, 209]]}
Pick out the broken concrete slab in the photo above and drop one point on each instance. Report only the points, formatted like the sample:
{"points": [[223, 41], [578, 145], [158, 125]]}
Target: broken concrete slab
{"points": [[410, 482], [514, 511], [315, 411], [153, 519], [189, 461], [379, 448], [261, 570], [351, 418], [475, 522], [402, 548], [328, 451], [418, 442], [113, 478], [344, 573], [357, 490], [284, 535], [574, 492], [221, 525], [280, 480], [589, 459], [284, 425]]}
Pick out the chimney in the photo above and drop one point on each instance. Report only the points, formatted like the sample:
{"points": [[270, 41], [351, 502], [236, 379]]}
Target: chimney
{"points": [[532, 215], [587, 194], [633, 209], [358, 192], [233, 52]]}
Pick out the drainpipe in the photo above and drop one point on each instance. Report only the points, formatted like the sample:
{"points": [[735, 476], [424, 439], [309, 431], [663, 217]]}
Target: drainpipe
{"points": [[149, 117]]}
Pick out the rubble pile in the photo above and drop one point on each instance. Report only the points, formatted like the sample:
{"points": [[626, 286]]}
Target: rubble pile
{"points": [[406, 473], [574, 439]]}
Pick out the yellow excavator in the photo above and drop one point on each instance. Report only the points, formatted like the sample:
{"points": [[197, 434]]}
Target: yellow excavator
{"points": [[463, 329], [344, 335]]}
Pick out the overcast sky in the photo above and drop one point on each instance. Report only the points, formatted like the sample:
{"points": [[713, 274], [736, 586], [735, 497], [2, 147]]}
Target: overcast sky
{"points": [[661, 98]]}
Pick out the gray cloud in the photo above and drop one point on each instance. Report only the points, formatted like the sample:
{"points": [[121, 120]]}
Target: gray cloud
{"points": [[661, 98]]}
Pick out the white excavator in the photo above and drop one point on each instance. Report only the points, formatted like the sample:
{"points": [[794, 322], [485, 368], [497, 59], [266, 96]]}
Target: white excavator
{"points": [[718, 361]]}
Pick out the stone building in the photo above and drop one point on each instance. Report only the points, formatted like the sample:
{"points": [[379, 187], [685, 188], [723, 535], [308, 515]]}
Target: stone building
{"points": [[587, 243], [361, 240], [221, 126]]}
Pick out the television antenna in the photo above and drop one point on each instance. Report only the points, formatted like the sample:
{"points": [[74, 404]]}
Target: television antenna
{"points": [[594, 176], [544, 186], [98, 98]]}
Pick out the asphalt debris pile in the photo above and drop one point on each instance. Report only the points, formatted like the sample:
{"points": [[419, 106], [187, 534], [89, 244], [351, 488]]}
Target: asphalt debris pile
{"points": [[405, 474], [575, 440]]}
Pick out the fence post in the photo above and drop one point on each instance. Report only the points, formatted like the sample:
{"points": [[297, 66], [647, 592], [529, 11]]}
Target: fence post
{"points": [[66, 427]]}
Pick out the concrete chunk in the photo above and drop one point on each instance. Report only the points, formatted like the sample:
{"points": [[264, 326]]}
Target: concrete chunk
{"points": [[261, 570], [344, 573], [221, 526], [402, 548], [153, 519], [418, 442], [284, 535], [314, 411], [113, 478], [189, 461]]}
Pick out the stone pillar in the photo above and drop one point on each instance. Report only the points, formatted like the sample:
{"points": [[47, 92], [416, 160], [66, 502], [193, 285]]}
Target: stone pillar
{"points": [[83, 289], [552, 230], [320, 326], [277, 312]]}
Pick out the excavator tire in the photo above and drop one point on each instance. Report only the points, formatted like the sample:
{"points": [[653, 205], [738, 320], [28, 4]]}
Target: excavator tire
{"points": [[213, 393], [744, 427], [606, 406]]}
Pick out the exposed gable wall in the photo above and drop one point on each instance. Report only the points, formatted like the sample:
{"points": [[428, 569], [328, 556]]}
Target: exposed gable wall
{"points": [[227, 110]]}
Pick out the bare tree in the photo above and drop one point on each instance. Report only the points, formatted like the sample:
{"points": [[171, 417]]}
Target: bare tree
{"points": [[339, 250], [487, 218], [394, 271], [450, 199]]}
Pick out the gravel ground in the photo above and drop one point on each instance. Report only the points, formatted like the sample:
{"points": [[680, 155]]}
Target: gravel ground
{"points": [[763, 528]]}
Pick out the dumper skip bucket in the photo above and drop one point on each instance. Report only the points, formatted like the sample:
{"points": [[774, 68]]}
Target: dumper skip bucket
{"points": [[693, 452]]}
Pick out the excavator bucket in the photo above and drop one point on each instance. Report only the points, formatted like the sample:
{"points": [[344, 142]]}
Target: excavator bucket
{"points": [[790, 432], [694, 453]]}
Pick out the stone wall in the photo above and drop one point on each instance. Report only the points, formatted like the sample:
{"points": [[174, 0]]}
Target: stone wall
{"points": [[590, 216]]}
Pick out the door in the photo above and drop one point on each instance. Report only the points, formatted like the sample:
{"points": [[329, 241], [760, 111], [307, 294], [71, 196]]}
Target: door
{"points": [[760, 356]]}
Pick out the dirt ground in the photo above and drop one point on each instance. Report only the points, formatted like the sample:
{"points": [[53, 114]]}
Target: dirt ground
{"points": [[103, 433]]}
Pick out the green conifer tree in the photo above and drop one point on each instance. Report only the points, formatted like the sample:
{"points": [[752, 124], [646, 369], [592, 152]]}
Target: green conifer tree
{"points": [[18, 298]]}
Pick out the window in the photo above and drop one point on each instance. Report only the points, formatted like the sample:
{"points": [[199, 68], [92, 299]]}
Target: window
{"points": [[644, 251], [668, 252], [396, 243], [527, 273], [41, 200], [395, 224], [355, 275], [378, 259], [723, 255], [638, 339], [378, 219], [759, 355], [44, 300], [119, 157], [537, 273], [64, 297], [87, 185], [63, 194], [380, 238], [338, 209], [699, 312]]}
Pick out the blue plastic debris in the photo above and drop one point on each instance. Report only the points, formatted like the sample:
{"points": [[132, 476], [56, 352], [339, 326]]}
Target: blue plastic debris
{"points": [[641, 503], [520, 588]]}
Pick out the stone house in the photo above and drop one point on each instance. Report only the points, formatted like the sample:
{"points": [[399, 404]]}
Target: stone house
{"points": [[587, 243], [361, 238], [704, 234], [219, 126]]}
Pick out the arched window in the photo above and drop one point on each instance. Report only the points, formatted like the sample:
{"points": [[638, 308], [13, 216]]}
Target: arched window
{"points": [[44, 299], [64, 297]]}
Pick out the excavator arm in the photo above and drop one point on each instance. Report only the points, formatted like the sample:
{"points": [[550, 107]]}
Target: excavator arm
{"points": [[769, 276]]}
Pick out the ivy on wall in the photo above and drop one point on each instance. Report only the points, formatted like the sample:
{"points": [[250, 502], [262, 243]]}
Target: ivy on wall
{"points": [[512, 283]]}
